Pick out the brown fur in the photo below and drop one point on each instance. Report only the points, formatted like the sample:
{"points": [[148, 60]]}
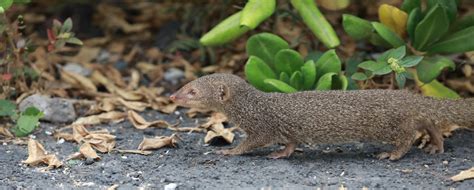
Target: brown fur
{"points": [[325, 117]]}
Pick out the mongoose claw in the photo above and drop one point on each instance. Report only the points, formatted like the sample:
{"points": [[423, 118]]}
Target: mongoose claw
{"points": [[228, 152], [432, 149], [390, 156], [278, 154]]}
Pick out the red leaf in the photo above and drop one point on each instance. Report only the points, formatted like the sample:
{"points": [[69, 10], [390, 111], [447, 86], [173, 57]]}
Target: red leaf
{"points": [[7, 76]]}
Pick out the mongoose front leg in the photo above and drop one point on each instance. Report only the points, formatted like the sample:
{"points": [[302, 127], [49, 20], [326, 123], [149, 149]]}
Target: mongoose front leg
{"points": [[284, 153], [249, 143]]}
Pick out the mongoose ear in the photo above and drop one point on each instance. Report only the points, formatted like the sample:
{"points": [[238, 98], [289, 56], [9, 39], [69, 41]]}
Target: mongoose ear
{"points": [[223, 92]]}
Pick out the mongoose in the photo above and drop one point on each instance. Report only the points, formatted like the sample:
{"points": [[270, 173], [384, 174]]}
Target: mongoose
{"points": [[324, 117]]}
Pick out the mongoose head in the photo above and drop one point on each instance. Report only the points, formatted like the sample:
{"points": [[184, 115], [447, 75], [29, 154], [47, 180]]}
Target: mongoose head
{"points": [[209, 92]]}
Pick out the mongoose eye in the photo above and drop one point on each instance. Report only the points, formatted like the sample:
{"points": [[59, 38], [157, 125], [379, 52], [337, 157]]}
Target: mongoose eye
{"points": [[192, 92]]}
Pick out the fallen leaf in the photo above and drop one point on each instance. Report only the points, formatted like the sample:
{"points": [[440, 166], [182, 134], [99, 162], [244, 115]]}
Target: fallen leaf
{"points": [[142, 152], [65, 136], [112, 88], [87, 151], [77, 79], [192, 112], [134, 105], [38, 155], [101, 140], [140, 123], [101, 118], [218, 131], [158, 142], [113, 187], [463, 175], [134, 80], [5, 132]]}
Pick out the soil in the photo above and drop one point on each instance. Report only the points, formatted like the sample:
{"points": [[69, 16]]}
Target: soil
{"points": [[193, 165]]}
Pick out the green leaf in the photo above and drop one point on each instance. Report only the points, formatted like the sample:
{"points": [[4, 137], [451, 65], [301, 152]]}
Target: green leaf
{"points": [[459, 42], [359, 76], [356, 27], [414, 18], [397, 53], [431, 28], [437, 90], [27, 122], [256, 71], [328, 62], [431, 67], [285, 77], [371, 65], [464, 22], [256, 11], [296, 80], [75, 41], [280, 86], [410, 5], [377, 40], [21, 1], [340, 83], [309, 74], [226, 31], [450, 6], [388, 35], [411, 61], [325, 82], [401, 79], [265, 46], [7, 108], [5, 4], [316, 21], [67, 26], [288, 61]]}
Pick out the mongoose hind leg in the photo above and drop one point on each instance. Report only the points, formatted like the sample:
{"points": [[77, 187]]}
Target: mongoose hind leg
{"points": [[436, 144], [248, 144], [284, 153]]}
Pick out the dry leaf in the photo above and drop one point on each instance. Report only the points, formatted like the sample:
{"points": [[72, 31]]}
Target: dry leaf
{"points": [[65, 136], [112, 88], [463, 175], [5, 132], [158, 142], [140, 123], [216, 118], [218, 131], [101, 118], [87, 151], [134, 80], [101, 140], [113, 187], [77, 79], [134, 105], [142, 152], [216, 128], [38, 155], [192, 112], [85, 55]]}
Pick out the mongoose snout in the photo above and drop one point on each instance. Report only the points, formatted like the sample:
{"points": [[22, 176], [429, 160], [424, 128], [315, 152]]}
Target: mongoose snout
{"points": [[325, 117]]}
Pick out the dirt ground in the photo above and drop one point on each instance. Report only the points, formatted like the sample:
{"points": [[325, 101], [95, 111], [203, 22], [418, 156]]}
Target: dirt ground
{"points": [[193, 165]]}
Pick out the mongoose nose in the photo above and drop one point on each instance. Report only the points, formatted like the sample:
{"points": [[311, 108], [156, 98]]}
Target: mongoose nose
{"points": [[173, 97]]}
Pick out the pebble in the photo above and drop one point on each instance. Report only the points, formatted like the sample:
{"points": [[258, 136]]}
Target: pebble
{"points": [[173, 75], [171, 186]]}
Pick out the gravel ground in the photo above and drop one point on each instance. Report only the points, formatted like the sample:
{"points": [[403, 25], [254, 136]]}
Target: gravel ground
{"points": [[193, 165]]}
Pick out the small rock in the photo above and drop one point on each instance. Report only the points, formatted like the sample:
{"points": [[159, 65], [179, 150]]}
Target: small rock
{"points": [[171, 186], [103, 56], [49, 133], [445, 162], [78, 69], [121, 65], [173, 75], [56, 110], [89, 161], [60, 141]]}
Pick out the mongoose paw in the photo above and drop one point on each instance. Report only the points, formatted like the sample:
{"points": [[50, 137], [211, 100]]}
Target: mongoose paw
{"points": [[278, 154], [228, 152], [390, 156], [432, 149]]}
